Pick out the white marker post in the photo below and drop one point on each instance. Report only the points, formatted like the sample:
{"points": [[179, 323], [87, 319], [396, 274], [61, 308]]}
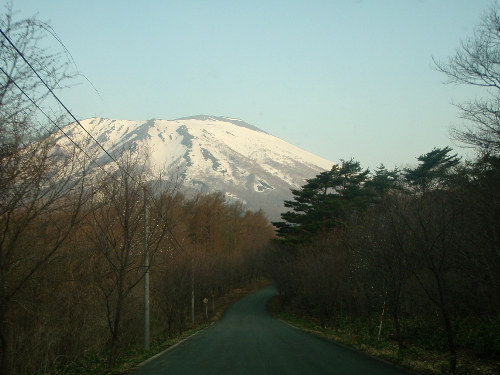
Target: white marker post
{"points": [[382, 317], [205, 301]]}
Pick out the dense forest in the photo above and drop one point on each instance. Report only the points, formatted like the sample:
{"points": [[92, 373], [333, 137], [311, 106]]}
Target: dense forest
{"points": [[72, 260], [421, 243]]}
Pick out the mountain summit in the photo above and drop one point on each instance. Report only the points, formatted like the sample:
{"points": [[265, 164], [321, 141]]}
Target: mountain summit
{"points": [[210, 154]]}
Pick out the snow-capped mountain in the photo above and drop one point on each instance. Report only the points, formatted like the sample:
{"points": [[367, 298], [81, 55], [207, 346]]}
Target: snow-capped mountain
{"points": [[210, 154]]}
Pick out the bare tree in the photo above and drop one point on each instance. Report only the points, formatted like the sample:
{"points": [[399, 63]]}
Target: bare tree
{"points": [[117, 235], [477, 63], [41, 185], [43, 190], [17, 112], [380, 246]]}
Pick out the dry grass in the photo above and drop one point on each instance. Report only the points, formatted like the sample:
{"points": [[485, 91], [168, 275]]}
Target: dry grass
{"points": [[414, 358]]}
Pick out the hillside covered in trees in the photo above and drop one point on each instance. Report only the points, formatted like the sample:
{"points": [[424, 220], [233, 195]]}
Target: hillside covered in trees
{"points": [[72, 263]]}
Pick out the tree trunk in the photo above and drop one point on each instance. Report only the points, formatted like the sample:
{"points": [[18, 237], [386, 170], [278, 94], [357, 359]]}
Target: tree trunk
{"points": [[113, 345], [115, 335], [4, 349], [397, 327], [451, 340], [447, 325]]}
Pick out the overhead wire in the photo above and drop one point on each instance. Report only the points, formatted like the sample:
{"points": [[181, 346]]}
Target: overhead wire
{"points": [[64, 106], [54, 123], [172, 237]]}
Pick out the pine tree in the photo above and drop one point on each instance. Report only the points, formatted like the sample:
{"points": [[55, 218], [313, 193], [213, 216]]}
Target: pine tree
{"points": [[434, 171], [324, 203], [384, 181]]}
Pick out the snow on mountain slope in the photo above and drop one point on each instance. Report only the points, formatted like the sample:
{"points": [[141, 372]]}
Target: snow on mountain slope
{"points": [[211, 154]]}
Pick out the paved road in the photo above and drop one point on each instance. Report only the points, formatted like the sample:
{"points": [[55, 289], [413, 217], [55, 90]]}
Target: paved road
{"points": [[247, 341]]}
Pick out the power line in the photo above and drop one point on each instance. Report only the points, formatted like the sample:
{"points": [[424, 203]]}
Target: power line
{"points": [[62, 104], [169, 230], [54, 123], [173, 239]]}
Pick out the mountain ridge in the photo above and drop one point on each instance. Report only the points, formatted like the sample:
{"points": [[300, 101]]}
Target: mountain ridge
{"points": [[211, 153]]}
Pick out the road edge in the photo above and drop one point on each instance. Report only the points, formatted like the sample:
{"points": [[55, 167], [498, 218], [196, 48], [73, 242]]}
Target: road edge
{"points": [[170, 347], [247, 290], [342, 345]]}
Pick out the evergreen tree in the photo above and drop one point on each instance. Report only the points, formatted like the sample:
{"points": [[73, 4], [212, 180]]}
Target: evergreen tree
{"points": [[383, 181], [323, 203], [434, 171]]}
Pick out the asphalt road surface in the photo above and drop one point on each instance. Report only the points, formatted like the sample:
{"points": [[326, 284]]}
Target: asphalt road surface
{"points": [[248, 341]]}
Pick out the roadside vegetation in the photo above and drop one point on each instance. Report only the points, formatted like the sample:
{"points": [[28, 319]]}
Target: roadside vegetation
{"points": [[423, 353], [133, 355], [74, 298], [404, 263]]}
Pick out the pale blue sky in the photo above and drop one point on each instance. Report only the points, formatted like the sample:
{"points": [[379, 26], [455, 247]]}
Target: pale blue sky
{"points": [[338, 78]]}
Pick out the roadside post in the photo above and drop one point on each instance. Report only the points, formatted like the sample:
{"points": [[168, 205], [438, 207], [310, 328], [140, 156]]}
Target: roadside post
{"points": [[205, 301]]}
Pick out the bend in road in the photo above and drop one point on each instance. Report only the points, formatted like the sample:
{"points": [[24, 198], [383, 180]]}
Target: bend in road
{"points": [[248, 341]]}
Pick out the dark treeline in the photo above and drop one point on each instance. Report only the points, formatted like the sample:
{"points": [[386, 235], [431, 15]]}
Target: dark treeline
{"points": [[424, 241]]}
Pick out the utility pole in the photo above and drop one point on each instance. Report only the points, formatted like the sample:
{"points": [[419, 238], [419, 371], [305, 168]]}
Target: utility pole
{"points": [[146, 275], [192, 288]]}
